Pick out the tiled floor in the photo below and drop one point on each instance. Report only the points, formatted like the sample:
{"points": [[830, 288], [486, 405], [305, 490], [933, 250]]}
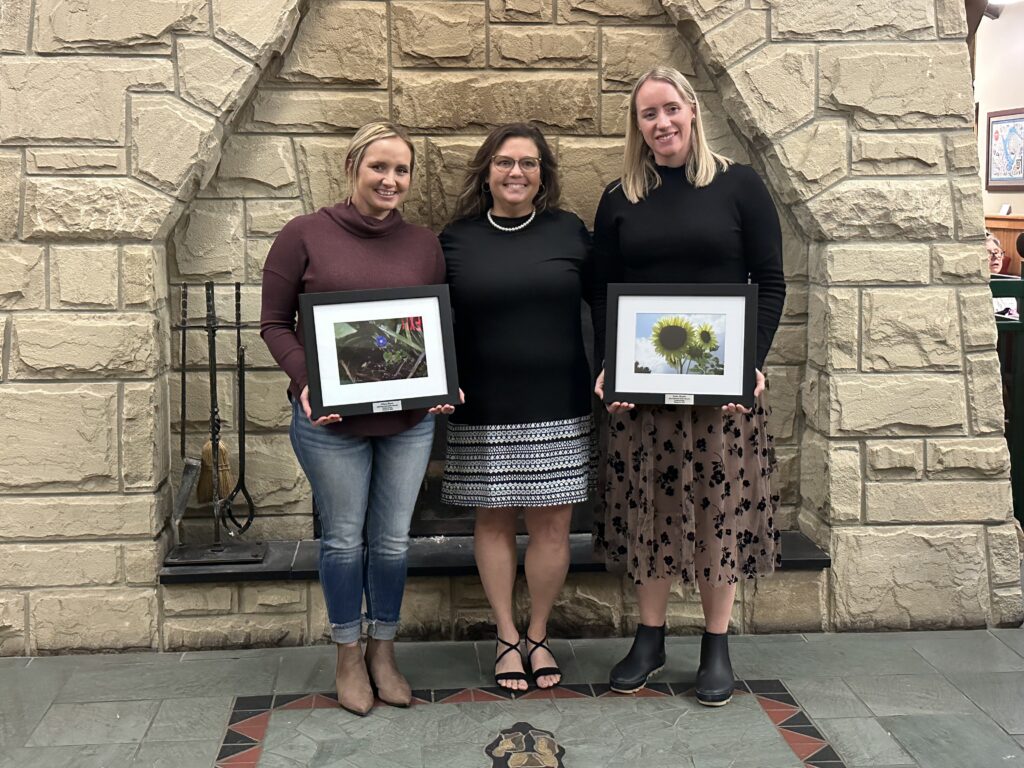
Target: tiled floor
{"points": [[932, 700]]}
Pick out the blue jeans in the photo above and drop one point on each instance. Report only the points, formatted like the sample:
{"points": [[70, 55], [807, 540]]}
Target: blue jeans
{"points": [[366, 489]]}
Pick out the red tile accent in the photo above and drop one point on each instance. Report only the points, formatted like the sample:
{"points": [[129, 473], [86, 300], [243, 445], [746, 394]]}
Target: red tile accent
{"points": [[243, 759], [255, 727], [770, 705], [803, 746], [647, 693], [778, 716], [566, 693], [462, 697], [544, 694], [483, 696], [305, 702], [322, 702]]}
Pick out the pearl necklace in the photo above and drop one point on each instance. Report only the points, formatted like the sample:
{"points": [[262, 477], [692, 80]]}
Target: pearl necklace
{"points": [[516, 228]]}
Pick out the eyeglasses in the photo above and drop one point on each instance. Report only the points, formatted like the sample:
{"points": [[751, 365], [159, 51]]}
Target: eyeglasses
{"points": [[506, 164]]}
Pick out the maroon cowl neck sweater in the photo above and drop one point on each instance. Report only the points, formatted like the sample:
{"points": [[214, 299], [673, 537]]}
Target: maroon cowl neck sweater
{"points": [[339, 249]]}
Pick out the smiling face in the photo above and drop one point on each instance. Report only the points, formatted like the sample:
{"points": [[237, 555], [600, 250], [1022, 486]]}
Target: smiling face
{"points": [[382, 179], [665, 120], [513, 190]]}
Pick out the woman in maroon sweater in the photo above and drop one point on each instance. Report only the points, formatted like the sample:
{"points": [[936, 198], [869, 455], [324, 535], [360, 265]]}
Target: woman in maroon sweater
{"points": [[365, 471]]}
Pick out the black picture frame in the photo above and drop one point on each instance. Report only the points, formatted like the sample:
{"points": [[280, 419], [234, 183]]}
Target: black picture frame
{"points": [[736, 302], [317, 311]]}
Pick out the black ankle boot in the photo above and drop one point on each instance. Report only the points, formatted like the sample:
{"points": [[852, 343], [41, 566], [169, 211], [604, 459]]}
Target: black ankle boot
{"points": [[646, 657], [715, 682]]}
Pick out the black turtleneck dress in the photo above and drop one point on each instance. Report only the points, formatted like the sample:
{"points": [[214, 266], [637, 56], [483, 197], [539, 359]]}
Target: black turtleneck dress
{"points": [[524, 436]]}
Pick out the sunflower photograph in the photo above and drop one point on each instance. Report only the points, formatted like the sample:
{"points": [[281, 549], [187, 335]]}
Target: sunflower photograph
{"points": [[679, 343], [380, 350]]}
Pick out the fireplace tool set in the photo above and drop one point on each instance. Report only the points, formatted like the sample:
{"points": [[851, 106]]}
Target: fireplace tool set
{"points": [[210, 476]]}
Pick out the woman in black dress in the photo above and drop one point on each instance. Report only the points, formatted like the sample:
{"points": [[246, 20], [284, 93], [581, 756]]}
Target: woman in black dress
{"points": [[688, 493], [517, 267]]}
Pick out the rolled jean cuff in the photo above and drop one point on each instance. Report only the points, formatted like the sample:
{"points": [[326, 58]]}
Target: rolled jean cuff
{"points": [[381, 630], [346, 633]]}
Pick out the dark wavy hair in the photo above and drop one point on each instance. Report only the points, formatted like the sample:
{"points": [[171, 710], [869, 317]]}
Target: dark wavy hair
{"points": [[475, 198]]}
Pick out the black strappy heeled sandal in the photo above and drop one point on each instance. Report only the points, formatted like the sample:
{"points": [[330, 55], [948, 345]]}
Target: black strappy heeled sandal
{"points": [[543, 671], [500, 677]]}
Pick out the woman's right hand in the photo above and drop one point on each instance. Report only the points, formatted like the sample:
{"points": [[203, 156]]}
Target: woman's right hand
{"points": [[615, 407], [331, 418]]}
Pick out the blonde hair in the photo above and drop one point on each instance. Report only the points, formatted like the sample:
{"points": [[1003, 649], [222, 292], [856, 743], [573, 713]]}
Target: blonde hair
{"points": [[368, 134], [639, 175]]}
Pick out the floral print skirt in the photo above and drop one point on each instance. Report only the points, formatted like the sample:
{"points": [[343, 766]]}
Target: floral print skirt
{"points": [[687, 493]]}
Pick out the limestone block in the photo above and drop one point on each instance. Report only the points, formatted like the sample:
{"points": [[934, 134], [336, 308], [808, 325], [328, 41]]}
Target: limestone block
{"points": [[3, 335], [786, 481], [142, 561], [789, 346], [605, 11], [627, 53], [962, 152], [256, 353], [211, 243], [14, 26], [876, 209], [93, 619], [1003, 554], [831, 478], [795, 248], [256, 252], [308, 111], [197, 396], [143, 276], [54, 565], [210, 75], [814, 399], [272, 597], [914, 85], [984, 393], [795, 306], [144, 435], [968, 207], [833, 328], [319, 624], [256, 30], [321, 166], [541, 48], [84, 276], [615, 114], [900, 577], [968, 501], [77, 517], [976, 317], [456, 101], [787, 602], [172, 143], [22, 277], [84, 96], [255, 166], [870, 19], [265, 218], [896, 404], [416, 208], [910, 328], [266, 527], [590, 605], [273, 476], [438, 34], [12, 624], [10, 194], [521, 10], [784, 392], [587, 166], [94, 209], [895, 459], [447, 160], [340, 42], [773, 90], [880, 154], [1007, 606], [260, 630], [266, 401], [809, 159], [877, 263], [62, 346], [426, 609], [197, 599], [144, 26], [735, 38], [974, 457], [83, 161], [952, 18], [959, 263]]}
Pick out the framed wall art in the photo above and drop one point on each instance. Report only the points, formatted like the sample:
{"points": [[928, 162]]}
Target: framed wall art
{"points": [[377, 351], [1004, 157]]}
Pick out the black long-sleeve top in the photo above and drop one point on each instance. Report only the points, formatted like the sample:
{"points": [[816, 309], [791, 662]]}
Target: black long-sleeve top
{"points": [[726, 232]]}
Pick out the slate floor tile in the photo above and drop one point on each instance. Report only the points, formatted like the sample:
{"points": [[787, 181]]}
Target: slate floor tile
{"points": [[195, 719], [909, 695], [1000, 695], [954, 741], [177, 754], [109, 722], [861, 741], [826, 697], [977, 652]]}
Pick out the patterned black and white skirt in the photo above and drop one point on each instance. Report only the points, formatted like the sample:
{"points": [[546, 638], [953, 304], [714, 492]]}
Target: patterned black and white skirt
{"points": [[543, 464]]}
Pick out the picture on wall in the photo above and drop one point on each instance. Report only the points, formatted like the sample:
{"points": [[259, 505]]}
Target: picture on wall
{"points": [[1004, 159]]}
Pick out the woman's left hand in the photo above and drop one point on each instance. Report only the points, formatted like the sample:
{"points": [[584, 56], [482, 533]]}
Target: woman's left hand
{"points": [[448, 409], [758, 389]]}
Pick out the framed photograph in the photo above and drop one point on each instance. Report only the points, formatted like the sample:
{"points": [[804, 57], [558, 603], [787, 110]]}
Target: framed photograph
{"points": [[681, 344], [1004, 158], [378, 351]]}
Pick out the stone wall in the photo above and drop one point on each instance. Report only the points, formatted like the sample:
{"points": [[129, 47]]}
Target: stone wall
{"points": [[171, 142]]}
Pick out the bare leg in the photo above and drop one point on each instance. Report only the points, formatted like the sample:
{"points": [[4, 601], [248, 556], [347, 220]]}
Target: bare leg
{"points": [[547, 562], [652, 599], [717, 603], [494, 544]]}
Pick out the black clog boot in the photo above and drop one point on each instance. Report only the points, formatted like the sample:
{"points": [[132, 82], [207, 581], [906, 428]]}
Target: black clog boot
{"points": [[715, 682], [645, 658]]}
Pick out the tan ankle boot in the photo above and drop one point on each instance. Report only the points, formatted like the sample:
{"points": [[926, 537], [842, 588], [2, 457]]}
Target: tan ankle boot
{"points": [[392, 687], [354, 691]]}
